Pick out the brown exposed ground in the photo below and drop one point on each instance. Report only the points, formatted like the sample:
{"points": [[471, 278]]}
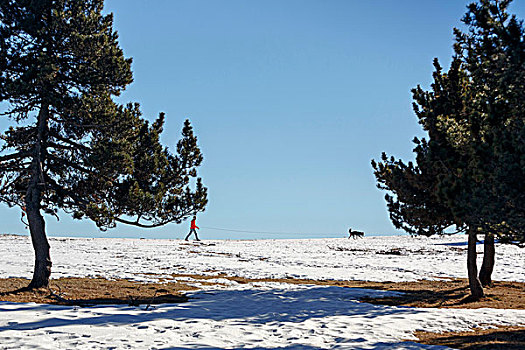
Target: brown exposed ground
{"points": [[92, 291], [502, 338], [451, 293], [454, 293]]}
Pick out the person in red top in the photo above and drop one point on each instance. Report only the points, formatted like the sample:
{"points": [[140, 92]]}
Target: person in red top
{"points": [[193, 229]]}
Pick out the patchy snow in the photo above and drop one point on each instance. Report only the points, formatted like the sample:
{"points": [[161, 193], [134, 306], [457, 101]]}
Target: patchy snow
{"points": [[392, 258], [258, 315]]}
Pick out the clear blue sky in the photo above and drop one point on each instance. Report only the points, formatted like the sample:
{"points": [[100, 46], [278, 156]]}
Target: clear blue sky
{"points": [[290, 101]]}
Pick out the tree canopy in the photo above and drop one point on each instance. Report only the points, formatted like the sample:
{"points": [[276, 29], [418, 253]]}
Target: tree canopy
{"points": [[71, 147], [470, 171]]}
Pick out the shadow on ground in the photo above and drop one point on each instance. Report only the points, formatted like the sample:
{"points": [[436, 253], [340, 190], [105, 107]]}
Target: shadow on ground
{"points": [[253, 306], [510, 338]]}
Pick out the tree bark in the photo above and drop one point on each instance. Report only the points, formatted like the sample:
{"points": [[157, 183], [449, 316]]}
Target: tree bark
{"points": [[489, 251], [33, 198], [36, 223], [476, 290]]}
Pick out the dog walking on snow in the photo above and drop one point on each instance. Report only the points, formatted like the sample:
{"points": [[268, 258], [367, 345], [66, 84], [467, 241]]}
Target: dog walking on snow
{"points": [[355, 234]]}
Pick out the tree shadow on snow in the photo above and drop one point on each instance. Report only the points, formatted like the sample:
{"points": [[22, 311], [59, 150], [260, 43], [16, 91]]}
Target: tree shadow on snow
{"points": [[404, 345], [462, 243], [249, 306], [424, 297], [289, 347]]}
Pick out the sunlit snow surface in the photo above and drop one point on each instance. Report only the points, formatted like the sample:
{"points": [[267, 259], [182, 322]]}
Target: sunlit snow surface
{"points": [[257, 316]]}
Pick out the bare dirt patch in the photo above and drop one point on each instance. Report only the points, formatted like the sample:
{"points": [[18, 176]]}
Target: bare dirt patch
{"points": [[501, 338], [93, 291], [451, 293]]}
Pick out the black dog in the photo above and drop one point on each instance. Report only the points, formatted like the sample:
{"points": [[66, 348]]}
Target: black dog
{"points": [[355, 234]]}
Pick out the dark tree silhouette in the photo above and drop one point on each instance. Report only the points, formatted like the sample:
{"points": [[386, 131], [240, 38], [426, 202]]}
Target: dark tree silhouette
{"points": [[71, 147], [470, 173]]}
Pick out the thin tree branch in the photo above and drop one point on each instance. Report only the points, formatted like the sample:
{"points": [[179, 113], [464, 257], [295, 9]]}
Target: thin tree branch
{"points": [[72, 165], [68, 141], [23, 154], [133, 223]]}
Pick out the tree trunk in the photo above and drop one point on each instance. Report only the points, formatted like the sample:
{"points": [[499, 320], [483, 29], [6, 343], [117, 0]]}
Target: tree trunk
{"points": [[485, 272], [476, 290], [36, 223], [33, 197]]}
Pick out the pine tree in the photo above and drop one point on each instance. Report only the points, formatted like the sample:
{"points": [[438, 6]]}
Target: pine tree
{"points": [[470, 173], [71, 147]]}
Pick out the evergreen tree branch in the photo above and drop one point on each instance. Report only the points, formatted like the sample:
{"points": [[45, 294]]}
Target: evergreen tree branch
{"points": [[18, 155]]}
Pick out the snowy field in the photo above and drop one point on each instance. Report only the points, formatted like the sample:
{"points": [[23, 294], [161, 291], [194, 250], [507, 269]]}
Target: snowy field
{"points": [[258, 315]]}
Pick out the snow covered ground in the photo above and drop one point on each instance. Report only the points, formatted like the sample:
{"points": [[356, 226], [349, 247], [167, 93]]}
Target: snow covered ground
{"points": [[257, 316]]}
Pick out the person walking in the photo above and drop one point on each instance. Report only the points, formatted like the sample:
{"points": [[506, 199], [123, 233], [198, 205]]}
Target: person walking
{"points": [[193, 229]]}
